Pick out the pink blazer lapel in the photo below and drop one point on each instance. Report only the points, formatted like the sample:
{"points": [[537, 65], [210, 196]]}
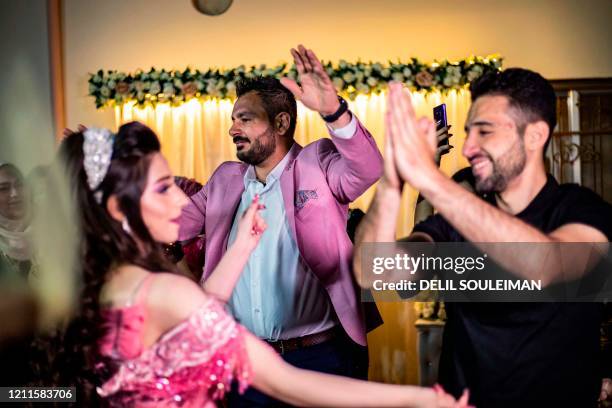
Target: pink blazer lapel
{"points": [[226, 209], [287, 181]]}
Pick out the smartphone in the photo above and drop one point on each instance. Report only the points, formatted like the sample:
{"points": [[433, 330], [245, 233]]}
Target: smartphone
{"points": [[439, 113]]}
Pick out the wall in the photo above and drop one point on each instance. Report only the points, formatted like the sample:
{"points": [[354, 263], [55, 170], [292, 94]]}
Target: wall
{"points": [[26, 121], [559, 38]]}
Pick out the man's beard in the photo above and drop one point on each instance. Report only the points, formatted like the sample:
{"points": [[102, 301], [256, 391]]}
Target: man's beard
{"points": [[507, 167], [260, 149]]}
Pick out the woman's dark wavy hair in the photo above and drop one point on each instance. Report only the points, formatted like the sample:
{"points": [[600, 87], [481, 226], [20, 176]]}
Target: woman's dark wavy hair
{"points": [[103, 246]]}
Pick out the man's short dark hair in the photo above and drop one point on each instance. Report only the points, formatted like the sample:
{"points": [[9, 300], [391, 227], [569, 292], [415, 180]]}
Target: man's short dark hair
{"points": [[275, 97], [530, 94]]}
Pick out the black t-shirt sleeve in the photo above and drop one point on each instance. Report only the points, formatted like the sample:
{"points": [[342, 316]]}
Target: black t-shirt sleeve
{"points": [[583, 206], [437, 228]]}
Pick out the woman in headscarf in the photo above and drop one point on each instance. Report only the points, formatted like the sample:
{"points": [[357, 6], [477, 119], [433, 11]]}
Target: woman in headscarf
{"points": [[15, 248]]}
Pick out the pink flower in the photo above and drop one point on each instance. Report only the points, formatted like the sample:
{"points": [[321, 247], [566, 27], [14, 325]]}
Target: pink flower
{"points": [[424, 79], [122, 88], [189, 89]]}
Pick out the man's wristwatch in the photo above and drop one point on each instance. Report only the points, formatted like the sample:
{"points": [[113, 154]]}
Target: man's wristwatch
{"points": [[334, 116]]}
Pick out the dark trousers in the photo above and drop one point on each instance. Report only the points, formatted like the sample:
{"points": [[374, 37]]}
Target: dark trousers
{"points": [[340, 356]]}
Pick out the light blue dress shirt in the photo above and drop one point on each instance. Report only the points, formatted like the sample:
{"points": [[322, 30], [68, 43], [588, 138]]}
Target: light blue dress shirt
{"points": [[278, 297]]}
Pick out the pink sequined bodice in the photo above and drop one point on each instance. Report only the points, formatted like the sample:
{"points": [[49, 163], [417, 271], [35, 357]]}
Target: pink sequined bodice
{"points": [[191, 365]]}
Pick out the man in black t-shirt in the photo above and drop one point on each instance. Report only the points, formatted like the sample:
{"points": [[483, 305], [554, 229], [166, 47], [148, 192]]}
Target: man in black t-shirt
{"points": [[507, 354]]}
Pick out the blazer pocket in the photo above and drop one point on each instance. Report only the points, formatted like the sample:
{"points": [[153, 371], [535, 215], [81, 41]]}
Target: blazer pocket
{"points": [[305, 202]]}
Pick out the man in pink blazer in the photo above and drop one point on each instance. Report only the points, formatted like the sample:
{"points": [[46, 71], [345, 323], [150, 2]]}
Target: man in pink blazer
{"points": [[297, 291]]}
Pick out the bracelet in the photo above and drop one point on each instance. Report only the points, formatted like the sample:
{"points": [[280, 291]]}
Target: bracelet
{"points": [[334, 116]]}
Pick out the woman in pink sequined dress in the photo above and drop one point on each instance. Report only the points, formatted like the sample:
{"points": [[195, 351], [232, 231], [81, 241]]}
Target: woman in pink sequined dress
{"points": [[150, 338]]}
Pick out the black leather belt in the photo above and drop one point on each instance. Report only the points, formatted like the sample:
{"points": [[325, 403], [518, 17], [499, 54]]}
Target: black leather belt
{"points": [[286, 346]]}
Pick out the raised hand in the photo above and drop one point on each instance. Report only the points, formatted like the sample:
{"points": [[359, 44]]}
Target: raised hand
{"points": [[414, 140], [317, 91], [251, 225]]}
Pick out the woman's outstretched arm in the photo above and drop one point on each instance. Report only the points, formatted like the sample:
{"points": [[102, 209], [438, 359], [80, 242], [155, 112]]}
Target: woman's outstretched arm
{"points": [[273, 376]]}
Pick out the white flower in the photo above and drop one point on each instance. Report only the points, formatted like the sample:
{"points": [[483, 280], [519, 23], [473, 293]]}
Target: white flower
{"points": [[220, 84], [268, 72], [113, 76], [155, 88], [474, 72], [359, 76], [362, 88], [386, 73], [164, 76], [342, 64], [144, 77], [407, 72], [338, 82], [377, 67], [178, 83], [448, 80], [97, 79], [230, 86], [212, 91], [397, 76], [210, 87], [372, 81], [105, 91], [139, 86], [367, 71], [92, 88], [472, 75], [199, 85], [348, 77], [111, 84], [168, 89], [330, 71], [155, 75]]}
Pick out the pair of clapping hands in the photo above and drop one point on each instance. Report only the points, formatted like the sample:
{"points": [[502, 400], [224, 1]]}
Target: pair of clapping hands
{"points": [[413, 146]]}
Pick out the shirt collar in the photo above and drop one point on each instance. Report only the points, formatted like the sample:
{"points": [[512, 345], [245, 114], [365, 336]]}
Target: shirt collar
{"points": [[276, 172]]}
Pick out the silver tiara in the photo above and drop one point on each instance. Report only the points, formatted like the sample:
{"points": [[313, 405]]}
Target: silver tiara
{"points": [[98, 150]]}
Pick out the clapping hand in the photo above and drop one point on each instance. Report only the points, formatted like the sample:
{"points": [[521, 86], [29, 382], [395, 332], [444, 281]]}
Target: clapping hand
{"points": [[413, 141]]}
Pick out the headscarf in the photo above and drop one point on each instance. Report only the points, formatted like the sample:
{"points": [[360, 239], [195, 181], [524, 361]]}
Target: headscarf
{"points": [[15, 235]]}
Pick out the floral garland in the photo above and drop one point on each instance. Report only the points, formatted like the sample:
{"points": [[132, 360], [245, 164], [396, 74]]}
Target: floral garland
{"points": [[115, 88]]}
